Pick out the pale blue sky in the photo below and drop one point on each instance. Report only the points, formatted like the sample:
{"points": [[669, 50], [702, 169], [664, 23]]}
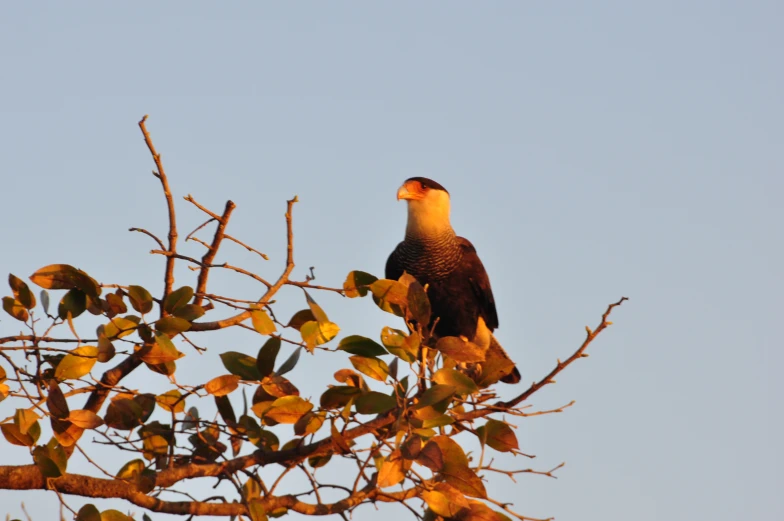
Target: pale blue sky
{"points": [[592, 149]]}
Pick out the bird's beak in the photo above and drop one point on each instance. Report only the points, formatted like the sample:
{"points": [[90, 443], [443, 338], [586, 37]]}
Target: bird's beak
{"points": [[404, 193]]}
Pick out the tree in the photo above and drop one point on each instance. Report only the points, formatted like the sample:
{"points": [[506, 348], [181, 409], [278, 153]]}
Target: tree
{"points": [[401, 414]]}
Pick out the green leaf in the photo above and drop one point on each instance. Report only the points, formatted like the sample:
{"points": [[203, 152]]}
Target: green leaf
{"points": [[77, 363], [64, 276], [251, 489], [372, 367], [241, 364], [436, 395], [288, 409], [177, 299], [357, 282], [114, 515], [310, 423], [262, 322], [140, 298], [300, 317], [462, 383], [130, 470], [119, 327], [222, 385], [225, 409], [88, 513], [403, 346], [498, 435], [45, 300], [15, 308], [106, 350], [265, 361], [374, 403], [171, 401], [318, 333], [161, 352], [21, 292], [189, 312], [45, 464], [55, 401], [290, 362], [390, 295], [338, 396], [362, 346], [172, 325], [460, 350], [256, 510], [73, 302], [418, 304]]}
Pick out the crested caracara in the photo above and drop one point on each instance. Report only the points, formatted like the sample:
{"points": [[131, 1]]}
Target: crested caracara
{"points": [[448, 265]]}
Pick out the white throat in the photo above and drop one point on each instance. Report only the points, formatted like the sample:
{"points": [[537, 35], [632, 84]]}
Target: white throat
{"points": [[429, 218]]}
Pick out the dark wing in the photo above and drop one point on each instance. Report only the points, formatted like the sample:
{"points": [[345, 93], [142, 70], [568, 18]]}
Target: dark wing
{"points": [[394, 268], [474, 270]]}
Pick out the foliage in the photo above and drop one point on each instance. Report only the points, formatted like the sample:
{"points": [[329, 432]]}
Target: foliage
{"points": [[403, 411]]}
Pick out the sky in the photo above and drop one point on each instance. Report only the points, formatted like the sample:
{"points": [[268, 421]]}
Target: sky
{"points": [[593, 150]]}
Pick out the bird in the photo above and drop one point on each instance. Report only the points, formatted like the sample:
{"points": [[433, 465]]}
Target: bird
{"points": [[449, 267]]}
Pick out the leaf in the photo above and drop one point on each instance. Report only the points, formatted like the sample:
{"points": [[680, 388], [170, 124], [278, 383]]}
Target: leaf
{"points": [[161, 352], [338, 396], [460, 350], [119, 327], [177, 299], [318, 313], [15, 309], [116, 305], [21, 292], [372, 367], [357, 282], [191, 419], [114, 515], [310, 423], [262, 323], [189, 312], [3, 376], [431, 457], [318, 333], [240, 364], [45, 464], [222, 385], [106, 350], [65, 432], [374, 403], [256, 510], [362, 346], [463, 384], [478, 511], [465, 480], [73, 302], [250, 490], [172, 326], [265, 361], [55, 401], [45, 300], [498, 435], [64, 276], [435, 395], [390, 295], [123, 414], [25, 419], [288, 409], [404, 347], [85, 419], [88, 513], [278, 386], [391, 471], [140, 298], [300, 317], [130, 470], [418, 304], [77, 363], [445, 500], [15, 437], [171, 401], [290, 362]]}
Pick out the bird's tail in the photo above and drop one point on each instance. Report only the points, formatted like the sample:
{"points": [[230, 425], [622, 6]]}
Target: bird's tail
{"points": [[497, 358]]}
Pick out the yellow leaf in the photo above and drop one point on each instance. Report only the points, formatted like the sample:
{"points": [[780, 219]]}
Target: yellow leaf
{"points": [[222, 385], [77, 363]]}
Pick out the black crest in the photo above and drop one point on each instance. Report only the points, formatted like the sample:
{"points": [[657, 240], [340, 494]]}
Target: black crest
{"points": [[428, 183]]}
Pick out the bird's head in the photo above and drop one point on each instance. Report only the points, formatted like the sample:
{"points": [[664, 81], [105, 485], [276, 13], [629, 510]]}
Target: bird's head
{"points": [[428, 207]]}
